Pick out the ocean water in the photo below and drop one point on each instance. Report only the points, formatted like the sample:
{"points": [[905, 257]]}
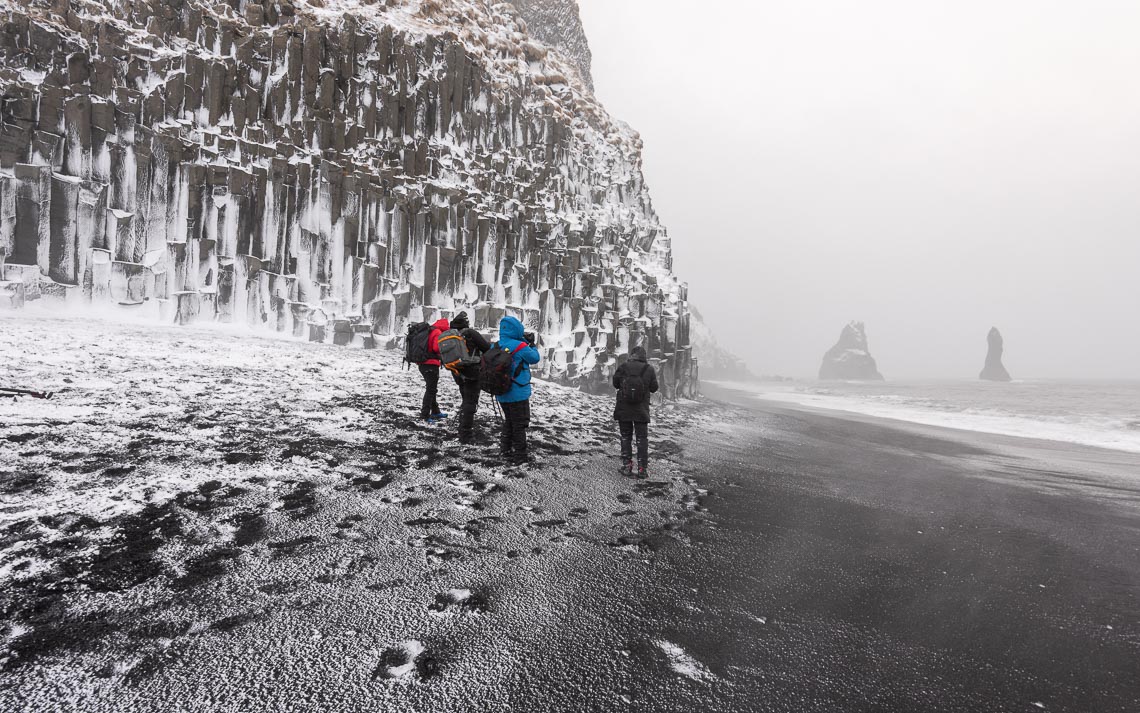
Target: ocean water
{"points": [[1105, 414]]}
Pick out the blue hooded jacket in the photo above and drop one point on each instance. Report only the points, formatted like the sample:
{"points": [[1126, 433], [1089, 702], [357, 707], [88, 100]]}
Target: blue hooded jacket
{"points": [[510, 337]]}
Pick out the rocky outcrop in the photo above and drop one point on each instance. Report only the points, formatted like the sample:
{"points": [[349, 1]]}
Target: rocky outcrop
{"points": [[332, 169], [849, 359], [558, 24], [994, 369], [716, 361]]}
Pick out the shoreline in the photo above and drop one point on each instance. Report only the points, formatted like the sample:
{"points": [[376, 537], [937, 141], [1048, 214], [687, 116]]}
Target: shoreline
{"points": [[1069, 451], [857, 564]]}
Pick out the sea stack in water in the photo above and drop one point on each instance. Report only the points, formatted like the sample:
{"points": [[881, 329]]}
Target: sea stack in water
{"points": [[849, 359], [994, 369]]}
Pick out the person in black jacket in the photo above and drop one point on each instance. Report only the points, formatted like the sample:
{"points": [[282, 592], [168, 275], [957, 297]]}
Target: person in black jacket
{"points": [[468, 379], [634, 380]]}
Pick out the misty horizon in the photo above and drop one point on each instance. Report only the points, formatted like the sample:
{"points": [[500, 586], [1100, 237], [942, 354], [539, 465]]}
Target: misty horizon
{"points": [[930, 171]]}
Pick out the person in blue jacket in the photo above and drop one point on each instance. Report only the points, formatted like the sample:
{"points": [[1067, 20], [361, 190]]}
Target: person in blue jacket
{"points": [[516, 402]]}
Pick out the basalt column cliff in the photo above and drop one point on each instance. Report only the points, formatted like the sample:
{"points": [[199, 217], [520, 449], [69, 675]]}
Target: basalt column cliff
{"points": [[333, 169]]}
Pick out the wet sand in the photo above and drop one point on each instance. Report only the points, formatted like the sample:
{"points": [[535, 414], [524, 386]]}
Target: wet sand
{"points": [[857, 565]]}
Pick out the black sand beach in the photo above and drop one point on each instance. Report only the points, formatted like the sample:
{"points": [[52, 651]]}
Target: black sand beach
{"points": [[184, 551], [856, 565]]}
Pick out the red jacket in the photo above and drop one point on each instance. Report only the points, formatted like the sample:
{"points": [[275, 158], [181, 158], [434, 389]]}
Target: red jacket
{"points": [[437, 329]]}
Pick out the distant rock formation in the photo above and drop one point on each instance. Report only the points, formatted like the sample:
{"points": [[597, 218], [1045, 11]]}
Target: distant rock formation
{"points": [[994, 369], [716, 362], [849, 359]]}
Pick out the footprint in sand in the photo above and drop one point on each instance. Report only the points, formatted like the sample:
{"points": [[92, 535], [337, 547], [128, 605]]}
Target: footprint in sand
{"points": [[290, 547], [426, 522], [368, 484], [387, 584], [346, 568], [251, 528], [347, 528], [301, 502], [436, 550], [460, 601], [480, 525], [408, 660], [548, 523], [652, 488], [277, 588]]}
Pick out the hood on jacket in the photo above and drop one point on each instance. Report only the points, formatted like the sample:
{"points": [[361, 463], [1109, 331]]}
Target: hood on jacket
{"points": [[637, 354], [511, 328], [442, 325]]}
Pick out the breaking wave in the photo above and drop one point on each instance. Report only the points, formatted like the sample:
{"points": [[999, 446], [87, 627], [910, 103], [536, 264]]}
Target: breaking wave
{"points": [[1100, 414]]}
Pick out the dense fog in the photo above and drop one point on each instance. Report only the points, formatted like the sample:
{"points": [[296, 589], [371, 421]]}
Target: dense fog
{"points": [[932, 169]]}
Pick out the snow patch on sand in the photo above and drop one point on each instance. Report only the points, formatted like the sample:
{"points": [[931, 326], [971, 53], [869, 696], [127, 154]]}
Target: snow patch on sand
{"points": [[684, 664]]}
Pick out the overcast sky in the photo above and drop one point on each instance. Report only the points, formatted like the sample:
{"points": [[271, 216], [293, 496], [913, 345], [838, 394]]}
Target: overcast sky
{"points": [[930, 168]]}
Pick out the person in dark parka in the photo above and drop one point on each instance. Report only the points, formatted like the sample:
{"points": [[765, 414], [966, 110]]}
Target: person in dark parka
{"points": [[468, 379], [633, 417]]}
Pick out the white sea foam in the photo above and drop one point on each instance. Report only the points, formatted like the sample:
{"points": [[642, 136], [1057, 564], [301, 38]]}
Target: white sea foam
{"points": [[1100, 414]]}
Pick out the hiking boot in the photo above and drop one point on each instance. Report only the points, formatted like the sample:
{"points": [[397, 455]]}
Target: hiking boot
{"points": [[626, 468], [440, 416], [642, 472]]}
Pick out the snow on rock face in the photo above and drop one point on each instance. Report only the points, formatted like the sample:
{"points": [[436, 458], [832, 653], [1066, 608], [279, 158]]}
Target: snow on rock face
{"points": [[850, 359], [559, 24], [332, 169], [994, 370]]}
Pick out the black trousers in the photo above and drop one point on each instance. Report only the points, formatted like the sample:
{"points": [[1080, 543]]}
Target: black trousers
{"points": [[430, 407], [469, 390], [516, 419], [628, 428]]}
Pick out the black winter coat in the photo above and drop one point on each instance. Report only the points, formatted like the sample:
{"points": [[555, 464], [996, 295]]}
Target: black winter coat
{"points": [[477, 344], [638, 366]]}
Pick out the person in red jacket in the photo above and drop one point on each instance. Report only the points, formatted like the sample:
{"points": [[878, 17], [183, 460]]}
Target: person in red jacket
{"points": [[430, 371]]}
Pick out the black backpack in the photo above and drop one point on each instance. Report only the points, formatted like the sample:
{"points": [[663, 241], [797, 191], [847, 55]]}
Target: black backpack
{"points": [[495, 376], [416, 346], [633, 388]]}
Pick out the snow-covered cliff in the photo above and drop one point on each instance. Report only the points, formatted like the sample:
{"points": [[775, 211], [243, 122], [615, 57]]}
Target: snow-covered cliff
{"points": [[331, 168], [559, 24]]}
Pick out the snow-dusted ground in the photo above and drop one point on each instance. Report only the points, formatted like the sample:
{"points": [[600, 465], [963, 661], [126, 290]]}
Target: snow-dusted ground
{"points": [[202, 520]]}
